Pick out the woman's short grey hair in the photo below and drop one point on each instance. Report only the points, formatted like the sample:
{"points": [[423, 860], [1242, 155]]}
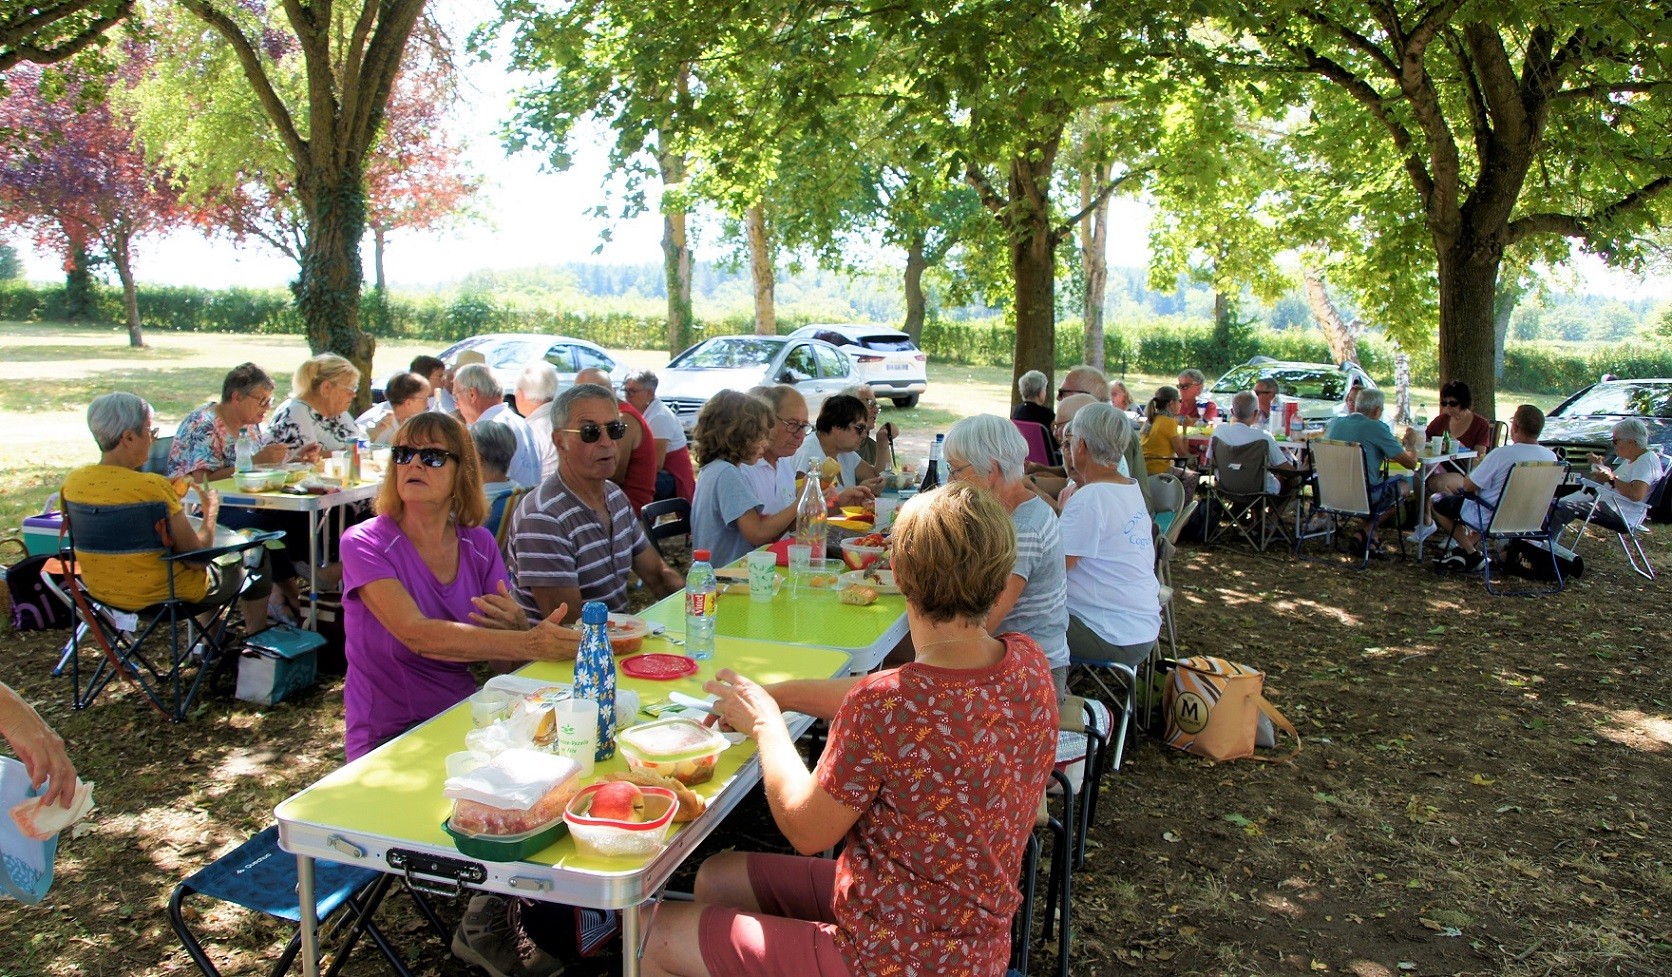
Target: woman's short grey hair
{"points": [[1104, 430], [861, 391], [1031, 385], [112, 415], [1628, 429], [1369, 400], [495, 445], [538, 381], [986, 440], [565, 401], [477, 377]]}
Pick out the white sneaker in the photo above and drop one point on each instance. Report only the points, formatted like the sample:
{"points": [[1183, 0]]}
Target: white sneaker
{"points": [[1423, 531]]}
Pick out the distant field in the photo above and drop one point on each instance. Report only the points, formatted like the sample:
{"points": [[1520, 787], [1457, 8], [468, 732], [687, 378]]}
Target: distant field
{"points": [[49, 373]]}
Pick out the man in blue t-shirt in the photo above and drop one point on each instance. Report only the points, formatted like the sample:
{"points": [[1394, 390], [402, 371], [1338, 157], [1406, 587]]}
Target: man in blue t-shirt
{"points": [[1365, 426]]}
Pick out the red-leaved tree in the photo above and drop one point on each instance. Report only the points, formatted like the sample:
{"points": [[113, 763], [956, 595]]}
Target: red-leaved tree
{"points": [[81, 182]]}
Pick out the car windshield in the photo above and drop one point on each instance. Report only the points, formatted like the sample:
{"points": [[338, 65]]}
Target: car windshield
{"points": [[1312, 383], [512, 354], [886, 343], [728, 354], [1628, 398]]}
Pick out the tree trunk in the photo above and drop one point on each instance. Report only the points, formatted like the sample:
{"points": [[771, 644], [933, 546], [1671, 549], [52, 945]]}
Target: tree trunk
{"points": [[1342, 340], [123, 259], [1468, 285], [1503, 307], [79, 305], [1222, 327], [1094, 255], [676, 256], [916, 303], [1033, 268], [328, 289], [761, 271], [377, 258]]}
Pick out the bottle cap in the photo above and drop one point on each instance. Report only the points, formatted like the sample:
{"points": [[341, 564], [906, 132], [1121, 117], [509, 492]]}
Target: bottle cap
{"points": [[595, 612], [701, 555]]}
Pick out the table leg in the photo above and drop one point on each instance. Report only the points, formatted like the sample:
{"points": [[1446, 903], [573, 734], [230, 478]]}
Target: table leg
{"points": [[630, 949], [1420, 476], [310, 924], [312, 623]]}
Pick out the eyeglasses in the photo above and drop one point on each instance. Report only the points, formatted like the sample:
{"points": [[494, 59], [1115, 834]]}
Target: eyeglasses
{"points": [[590, 432], [1188, 385], [1265, 393], [431, 457], [860, 428], [1451, 403], [1067, 392], [794, 426], [955, 469]]}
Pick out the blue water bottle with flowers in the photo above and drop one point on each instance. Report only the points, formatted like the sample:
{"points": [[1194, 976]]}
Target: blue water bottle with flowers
{"points": [[595, 672]]}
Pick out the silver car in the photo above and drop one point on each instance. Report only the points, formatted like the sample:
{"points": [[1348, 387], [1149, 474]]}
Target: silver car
{"points": [[817, 369], [506, 354], [1319, 387]]}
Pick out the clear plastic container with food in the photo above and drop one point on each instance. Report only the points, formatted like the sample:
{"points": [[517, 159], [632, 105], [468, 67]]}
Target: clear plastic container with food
{"points": [[679, 748], [637, 833]]}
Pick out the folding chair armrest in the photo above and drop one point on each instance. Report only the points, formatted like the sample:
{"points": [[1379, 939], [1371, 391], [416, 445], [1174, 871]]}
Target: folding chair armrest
{"points": [[203, 555]]}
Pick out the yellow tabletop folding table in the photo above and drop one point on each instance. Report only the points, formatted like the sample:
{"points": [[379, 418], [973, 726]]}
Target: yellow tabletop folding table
{"points": [[384, 811]]}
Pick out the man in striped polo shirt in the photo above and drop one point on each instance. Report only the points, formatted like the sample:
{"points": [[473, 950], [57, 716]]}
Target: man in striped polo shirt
{"points": [[574, 538]]}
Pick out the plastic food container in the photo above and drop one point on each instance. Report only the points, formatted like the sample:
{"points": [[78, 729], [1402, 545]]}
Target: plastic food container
{"points": [[505, 848], [608, 838], [259, 481], [859, 557], [677, 748], [626, 633]]}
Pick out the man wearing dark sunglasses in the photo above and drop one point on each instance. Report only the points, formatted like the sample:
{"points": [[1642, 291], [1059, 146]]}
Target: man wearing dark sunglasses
{"points": [[635, 463], [575, 537]]}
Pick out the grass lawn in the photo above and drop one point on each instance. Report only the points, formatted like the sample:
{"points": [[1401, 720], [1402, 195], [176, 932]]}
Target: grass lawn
{"points": [[50, 372]]}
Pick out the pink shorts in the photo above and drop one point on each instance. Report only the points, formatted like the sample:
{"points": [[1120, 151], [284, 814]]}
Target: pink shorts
{"points": [[795, 931]]}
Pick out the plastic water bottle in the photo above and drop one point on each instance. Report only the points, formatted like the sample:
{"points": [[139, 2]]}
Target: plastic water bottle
{"points": [[931, 472], [701, 604], [245, 453], [595, 672], [1274, 421], [812, 521], [1297, 427]]}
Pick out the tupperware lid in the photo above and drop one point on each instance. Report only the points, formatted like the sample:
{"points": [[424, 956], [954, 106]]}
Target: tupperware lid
{"points": [[672, 739]]}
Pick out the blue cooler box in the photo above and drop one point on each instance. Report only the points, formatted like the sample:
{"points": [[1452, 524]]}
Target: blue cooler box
{"points": [[40, 533], [277, 663]]}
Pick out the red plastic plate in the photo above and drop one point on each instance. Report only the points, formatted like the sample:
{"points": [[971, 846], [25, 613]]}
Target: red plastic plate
{"points": [[657, 666]]}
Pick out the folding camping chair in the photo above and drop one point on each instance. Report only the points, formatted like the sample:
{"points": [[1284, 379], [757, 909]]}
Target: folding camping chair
{"points": [[1523, 511], [1239, 488], [1342, 492], [656, 528], [127, 637], [1628, 533], [1039, 442]]}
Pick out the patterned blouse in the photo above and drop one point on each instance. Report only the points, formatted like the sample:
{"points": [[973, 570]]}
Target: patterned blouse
{"points": [[298, 425], [203, 443]]}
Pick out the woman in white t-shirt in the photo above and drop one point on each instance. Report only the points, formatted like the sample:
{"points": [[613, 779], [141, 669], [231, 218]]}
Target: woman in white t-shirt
{"points": [[1113, 598], [1621, 489]]}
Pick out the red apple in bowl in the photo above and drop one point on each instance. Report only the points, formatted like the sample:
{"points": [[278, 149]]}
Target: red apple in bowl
{"points": [[617, 801]]}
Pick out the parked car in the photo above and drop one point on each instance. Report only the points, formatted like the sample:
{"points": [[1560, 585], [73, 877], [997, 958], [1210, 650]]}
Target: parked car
{"points": [[885, 358], [818, 369], [1319, 387], [508, 353], [1580, 424]]}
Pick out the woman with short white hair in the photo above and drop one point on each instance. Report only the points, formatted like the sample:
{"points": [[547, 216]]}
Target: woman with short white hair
{"points": [[1113, 598], [1035, 389], [988, 450], [1619, 492]]}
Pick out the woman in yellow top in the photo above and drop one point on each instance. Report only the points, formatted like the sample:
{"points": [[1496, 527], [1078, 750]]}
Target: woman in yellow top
{"points": [[1164, 442]]}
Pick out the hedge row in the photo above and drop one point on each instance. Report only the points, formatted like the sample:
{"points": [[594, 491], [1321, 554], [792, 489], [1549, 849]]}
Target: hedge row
{"points": [[1153, 346]]}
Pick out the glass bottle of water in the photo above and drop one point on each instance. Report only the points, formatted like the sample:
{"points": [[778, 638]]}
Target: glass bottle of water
{"points": [[812, 521], [245, 453], [595, 672], [701, 603]]}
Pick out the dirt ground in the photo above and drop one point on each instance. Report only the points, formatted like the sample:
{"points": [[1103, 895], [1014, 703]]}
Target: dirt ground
{"points": [[1482, 790]]}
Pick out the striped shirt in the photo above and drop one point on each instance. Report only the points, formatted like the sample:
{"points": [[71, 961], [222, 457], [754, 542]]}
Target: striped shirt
{"points": [[1041, 611], [556, 540]]}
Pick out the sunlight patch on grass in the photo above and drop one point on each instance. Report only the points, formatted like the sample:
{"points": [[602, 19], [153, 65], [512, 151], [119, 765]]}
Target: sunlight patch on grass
{"points": [[1308, 608]]}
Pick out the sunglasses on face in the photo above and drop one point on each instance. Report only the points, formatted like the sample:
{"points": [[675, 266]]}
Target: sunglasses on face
{"points": [[860, 429], [1450, 403], [430, 457], [1067, 392], [590, 432]]}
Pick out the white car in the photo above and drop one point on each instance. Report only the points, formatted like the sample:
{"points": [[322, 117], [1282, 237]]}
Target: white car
{"points": [[885, 358], [1320, 388], [508, 353], [817, 369]]}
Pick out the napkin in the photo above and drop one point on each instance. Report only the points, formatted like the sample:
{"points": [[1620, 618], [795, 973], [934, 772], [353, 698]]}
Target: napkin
{"points": [[513, 780]]}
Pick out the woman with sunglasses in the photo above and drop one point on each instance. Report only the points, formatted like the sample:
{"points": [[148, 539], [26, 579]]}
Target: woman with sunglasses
{"points": [[842, 426], [728, 516], [425, 590], [1467, 429]]}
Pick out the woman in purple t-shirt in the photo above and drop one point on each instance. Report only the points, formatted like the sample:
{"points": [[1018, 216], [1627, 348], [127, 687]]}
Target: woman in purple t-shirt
{"points": [[425, 591]]}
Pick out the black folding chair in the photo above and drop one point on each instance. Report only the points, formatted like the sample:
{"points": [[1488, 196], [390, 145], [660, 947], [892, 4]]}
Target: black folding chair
{"points": [[658, 527]]}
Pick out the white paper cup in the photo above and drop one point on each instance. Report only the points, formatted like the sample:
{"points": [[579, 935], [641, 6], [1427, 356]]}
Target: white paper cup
{"points": [[488, 706], [577, 731], [763, 577]]}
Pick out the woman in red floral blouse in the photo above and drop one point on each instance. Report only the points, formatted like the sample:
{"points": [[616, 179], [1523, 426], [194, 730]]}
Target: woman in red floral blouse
{"points": [[932, 774]]}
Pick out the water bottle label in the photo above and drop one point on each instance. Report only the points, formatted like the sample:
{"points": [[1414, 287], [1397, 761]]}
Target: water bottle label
{"points": [[701, 604]]}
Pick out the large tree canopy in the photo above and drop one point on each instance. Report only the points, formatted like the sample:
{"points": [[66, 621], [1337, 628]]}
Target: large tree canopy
{"points": [[1462, 128], [49, 32]]}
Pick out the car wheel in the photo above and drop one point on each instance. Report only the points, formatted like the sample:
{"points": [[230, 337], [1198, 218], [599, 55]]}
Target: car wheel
{"points": [[905, 403]]}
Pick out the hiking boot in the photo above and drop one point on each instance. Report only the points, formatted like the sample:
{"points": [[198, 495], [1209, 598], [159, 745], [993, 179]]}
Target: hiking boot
{"points": [[490, 936]]}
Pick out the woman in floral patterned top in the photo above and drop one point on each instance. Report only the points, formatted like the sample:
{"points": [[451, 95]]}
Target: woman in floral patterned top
{"points": [[932, 774], [206, 443], [317, 411]]}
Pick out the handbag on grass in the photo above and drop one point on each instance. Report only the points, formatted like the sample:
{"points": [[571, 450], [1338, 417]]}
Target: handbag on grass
{"points": [[1214, 709]]}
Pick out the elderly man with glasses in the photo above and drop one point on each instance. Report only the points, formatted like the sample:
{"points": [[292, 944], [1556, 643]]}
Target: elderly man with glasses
{"points": [[1619, 491], [635, 464], [773, 476], [574, 538], [1192, 386]]}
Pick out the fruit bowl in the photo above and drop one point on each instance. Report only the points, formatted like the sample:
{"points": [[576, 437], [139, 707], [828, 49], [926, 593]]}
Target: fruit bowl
{"points": [[621, 837], [863, 552]]}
